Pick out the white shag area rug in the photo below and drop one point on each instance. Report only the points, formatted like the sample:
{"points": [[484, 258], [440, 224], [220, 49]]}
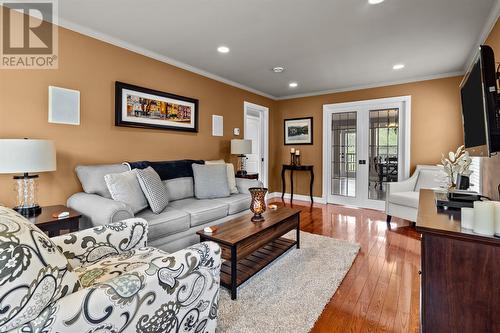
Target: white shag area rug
{"points": [[289, 294]]}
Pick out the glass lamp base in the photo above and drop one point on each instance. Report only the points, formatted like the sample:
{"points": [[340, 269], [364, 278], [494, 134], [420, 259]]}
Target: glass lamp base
{"points": [[26, 187], [28, 211]]}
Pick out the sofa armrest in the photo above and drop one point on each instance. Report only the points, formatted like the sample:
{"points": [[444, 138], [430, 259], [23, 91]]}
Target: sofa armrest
{"points": [[177, 292], [244, 184], [88, 246], [99, 210]]}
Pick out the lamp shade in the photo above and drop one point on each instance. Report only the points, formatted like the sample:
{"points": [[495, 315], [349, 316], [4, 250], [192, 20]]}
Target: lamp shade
{"points": [[27, 156], [241, 147]]}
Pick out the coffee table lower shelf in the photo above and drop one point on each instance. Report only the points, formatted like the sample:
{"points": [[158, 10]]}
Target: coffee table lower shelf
{"points": [[256, 261]]}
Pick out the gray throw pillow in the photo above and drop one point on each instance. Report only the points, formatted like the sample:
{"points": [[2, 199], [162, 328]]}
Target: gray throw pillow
{"points": [[210, 181], [179, 188], [153, 188], [231, 178], [125, 187], [92, 177]]}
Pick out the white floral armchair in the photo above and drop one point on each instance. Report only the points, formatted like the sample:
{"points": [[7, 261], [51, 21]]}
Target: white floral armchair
{"points": [[103, 279]]}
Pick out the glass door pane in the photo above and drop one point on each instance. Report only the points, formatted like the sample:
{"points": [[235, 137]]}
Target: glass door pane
{"points": [[344, 166], [383, 151]]}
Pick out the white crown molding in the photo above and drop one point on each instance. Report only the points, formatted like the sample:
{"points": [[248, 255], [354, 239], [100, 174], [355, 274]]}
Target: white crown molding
{"points": [[374, 85], [488, 26], [150, 54]]}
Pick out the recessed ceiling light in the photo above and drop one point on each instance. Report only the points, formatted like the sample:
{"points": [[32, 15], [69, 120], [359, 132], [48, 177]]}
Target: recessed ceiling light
{"points": [[398, 66], [293, 84], [223, 49], [278, 69], [375, 2]]}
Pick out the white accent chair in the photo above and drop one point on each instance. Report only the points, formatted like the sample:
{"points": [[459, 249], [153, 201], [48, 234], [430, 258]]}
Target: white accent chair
{"points": [[402, 197]]}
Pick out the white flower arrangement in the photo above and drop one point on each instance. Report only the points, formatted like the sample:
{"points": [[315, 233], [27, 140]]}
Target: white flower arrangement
{"points": [[457, 163]]}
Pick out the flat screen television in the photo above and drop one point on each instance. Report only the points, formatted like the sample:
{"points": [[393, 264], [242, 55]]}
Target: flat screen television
{"points": [[480, 112]]}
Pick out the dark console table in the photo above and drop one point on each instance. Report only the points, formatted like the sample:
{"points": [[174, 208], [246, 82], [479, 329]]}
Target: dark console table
{"points": [[248, 176], [293, 168], [460, 273]]}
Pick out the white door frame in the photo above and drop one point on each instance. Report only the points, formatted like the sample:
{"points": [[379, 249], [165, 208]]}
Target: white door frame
{"points": [[264, 111], [404, 137]]}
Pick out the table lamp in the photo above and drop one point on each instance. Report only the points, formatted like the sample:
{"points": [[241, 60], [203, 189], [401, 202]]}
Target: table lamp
{"points": [[26, 156], [241, 147]]}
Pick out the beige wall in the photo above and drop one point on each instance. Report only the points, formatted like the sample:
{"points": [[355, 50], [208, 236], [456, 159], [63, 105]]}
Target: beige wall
{"points": [[92, 67], [491, 166], [436, 124]]}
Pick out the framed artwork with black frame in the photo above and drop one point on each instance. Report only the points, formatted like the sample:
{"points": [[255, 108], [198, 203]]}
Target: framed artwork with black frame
{"points": [[298, 131], [147, 108]]}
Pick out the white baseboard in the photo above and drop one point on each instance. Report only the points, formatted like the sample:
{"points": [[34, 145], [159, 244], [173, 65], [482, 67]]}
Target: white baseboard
{"points": [[299, 197]]}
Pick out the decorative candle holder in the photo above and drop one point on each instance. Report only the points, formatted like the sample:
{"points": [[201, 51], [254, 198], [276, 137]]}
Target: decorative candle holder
{"points": [[484, 218], [297, 160], [467, 219], [292, 158], [258, 205]]}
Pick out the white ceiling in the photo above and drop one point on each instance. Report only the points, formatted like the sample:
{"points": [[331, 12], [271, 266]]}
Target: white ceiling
{"points": [[323, 44]]}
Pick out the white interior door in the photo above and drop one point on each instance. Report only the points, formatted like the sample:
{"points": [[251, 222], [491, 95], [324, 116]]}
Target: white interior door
{"points": [[253, 132], [365, 146], [256, 128]]}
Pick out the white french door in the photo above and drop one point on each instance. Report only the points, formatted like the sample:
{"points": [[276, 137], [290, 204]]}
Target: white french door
{"points": [[366, 144]]}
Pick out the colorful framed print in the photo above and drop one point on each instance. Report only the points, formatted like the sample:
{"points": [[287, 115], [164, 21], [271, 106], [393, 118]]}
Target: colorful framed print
{"points": [[299, 131], [146, 108]]}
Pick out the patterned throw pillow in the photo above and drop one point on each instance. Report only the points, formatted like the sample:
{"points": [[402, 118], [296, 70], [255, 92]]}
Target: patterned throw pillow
{"points": [[33, 274], [153, 188]]}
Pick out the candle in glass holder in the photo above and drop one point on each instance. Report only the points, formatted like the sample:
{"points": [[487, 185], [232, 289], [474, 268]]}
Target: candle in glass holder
{"points": [[467, 220], [297, 152], [292, 151], [497, 217], [484, 218]]}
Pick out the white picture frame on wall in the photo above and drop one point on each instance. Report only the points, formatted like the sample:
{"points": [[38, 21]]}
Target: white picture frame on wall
{"points": [[64, 106]]}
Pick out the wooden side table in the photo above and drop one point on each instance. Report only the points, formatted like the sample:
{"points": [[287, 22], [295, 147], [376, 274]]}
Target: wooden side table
{"points": [[52, 225], [249, 176], [293, 168]]}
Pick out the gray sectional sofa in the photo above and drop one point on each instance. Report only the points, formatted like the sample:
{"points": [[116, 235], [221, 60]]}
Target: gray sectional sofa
{"points": [[175, 227]]}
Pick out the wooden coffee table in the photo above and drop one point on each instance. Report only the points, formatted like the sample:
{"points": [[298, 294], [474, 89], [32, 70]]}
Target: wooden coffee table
{"points": [[250, 246]]}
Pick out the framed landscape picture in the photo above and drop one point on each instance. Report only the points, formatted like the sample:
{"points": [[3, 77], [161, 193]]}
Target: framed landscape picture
{"points": [[299, 131], [146, 108]]}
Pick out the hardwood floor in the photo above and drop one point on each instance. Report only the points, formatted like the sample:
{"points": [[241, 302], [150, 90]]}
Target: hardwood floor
{"points": [[381, 291]]}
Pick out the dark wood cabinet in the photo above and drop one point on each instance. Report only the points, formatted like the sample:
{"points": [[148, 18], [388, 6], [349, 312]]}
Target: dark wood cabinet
{"points": [[460, 273]]}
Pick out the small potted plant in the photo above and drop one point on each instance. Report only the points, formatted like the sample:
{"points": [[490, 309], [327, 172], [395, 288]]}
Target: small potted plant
{"points": [[457, 163]]}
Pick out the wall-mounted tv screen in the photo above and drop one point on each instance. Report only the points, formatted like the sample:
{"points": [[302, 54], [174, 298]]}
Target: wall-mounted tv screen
{"points": [[481, 119]]}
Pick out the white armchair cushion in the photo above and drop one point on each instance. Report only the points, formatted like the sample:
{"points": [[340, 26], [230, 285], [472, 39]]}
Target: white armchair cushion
{"points": [[407, 199], [33, 272]]}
